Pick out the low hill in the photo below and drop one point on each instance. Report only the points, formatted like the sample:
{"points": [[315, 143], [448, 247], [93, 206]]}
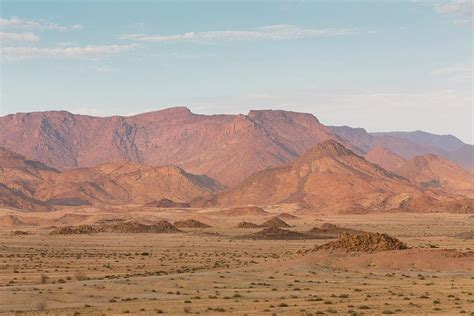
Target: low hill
{"points": [[166, 203], [366, 242], [190, 223], [30, 185], [245, 211]]}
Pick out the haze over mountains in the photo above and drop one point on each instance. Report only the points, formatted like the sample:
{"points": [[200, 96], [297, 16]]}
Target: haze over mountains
{"points": [[177, 155]]}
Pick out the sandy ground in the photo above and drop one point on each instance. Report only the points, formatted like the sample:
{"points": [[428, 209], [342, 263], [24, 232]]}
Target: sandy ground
{"points": [[210, 271]]}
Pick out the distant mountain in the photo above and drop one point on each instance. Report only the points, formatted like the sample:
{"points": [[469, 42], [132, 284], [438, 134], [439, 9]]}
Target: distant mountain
{"points": [[430, 171], [384, 158], [30, 185], [410, 144], [332, 178], [225, 147], [444, 142]]}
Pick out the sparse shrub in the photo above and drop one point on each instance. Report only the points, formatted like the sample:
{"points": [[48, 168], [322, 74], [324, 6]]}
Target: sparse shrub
{"points": [[80, 276], [44, 279]]}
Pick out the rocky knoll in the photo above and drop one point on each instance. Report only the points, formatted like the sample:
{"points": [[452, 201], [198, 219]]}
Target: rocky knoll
{"points": [[190, 223], [275, 233], [127, 227], [332, 230], [245, 224], [366, 242], [166, 203], [275, 222]]}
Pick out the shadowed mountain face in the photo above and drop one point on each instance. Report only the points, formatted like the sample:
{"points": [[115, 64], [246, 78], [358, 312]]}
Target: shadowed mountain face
{"points": [[31, 185], [17, 200], [20, 174], [331, 178]]}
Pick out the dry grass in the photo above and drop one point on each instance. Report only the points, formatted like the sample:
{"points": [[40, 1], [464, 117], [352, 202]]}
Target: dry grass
{"points": [[190, 273]]}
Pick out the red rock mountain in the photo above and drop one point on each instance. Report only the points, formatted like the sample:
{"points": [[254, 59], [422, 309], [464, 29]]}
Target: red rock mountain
{"points": [[431, 171], [410, 144], [33, 186], [331, 178], [384, 158], [225, 147], [17, 200]]}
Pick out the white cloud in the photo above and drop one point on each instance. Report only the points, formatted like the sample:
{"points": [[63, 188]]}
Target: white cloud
{"points": [[456, 7], [273, 32], [455, 71], [18, 37], [90, 51], [15, 22]]}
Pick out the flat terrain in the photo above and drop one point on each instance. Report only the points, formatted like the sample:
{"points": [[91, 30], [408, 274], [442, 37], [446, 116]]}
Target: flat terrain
{"points": [[213, 271]]}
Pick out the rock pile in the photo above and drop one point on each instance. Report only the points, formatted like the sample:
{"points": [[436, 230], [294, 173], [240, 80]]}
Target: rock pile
{"points": [[332, 230], [275, 233], [127, 227], [247, 225], [275, 222], [190, 223], [365, 242]]}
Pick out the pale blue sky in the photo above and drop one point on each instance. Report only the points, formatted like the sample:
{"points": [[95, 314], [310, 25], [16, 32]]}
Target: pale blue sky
{"points": [[382, 65]]}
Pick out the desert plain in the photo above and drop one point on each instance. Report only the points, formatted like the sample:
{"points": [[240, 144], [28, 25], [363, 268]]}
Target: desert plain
{"points": [[220, 270]]}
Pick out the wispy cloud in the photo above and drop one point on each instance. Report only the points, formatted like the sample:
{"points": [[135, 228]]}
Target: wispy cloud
{"points": [[456, 7], [273, 32], [73, 52], [18, 37], [460, 10], [19, 23]]}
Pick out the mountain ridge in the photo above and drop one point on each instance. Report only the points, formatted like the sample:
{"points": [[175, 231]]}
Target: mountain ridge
{"points": [[225, 147], [331, 178]]}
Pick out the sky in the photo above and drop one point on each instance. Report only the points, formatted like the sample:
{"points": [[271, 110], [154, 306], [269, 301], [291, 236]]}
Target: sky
{"points": [[381, 65]]}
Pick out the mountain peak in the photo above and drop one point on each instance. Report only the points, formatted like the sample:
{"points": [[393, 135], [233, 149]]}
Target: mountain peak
{"points": [[327, 148], [281, 115]]}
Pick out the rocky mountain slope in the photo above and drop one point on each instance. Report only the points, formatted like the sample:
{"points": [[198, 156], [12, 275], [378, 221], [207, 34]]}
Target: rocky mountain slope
{"points": [[410, 144], [31, 185], [431, 171], [383, 157], [227, 148], [332, 178]]}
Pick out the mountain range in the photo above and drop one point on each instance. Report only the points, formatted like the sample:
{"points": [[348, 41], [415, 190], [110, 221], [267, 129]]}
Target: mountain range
{"points": [[30, 185], [331, 178], [264, 157]]}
